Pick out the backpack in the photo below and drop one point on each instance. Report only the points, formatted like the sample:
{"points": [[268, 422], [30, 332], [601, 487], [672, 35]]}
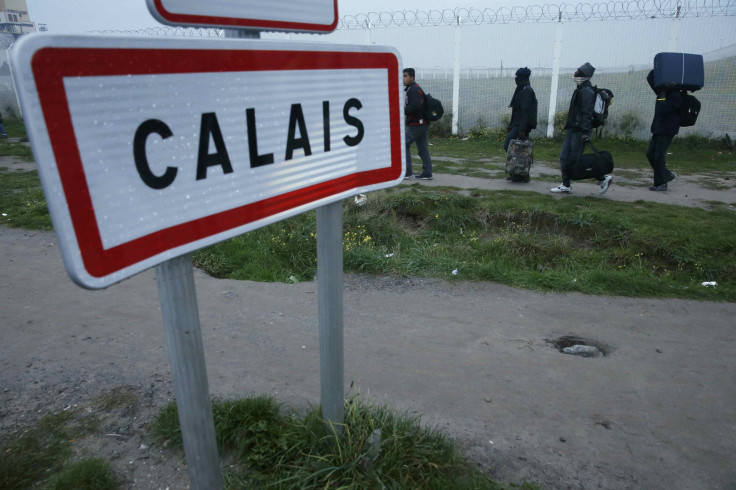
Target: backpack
{"points": [[603, 99], [433, 110], [689, 110]]}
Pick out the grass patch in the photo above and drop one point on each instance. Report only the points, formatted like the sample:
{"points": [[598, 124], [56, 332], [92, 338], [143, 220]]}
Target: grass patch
{"points": [[15, 128], [374, 448], [36, 456], [22, 203], [523, 239], [90, 474], [120, 397]]}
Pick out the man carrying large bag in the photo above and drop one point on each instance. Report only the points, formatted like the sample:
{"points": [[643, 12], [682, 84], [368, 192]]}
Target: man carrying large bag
{"points": [[579, 126]]}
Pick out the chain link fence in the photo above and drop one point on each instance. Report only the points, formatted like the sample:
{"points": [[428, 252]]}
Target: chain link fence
{"points": [[467, 57]]}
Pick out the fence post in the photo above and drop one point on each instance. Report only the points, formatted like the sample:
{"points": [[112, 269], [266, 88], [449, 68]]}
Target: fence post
{"points": [[674, 32], [555, 78], [456, 80]]}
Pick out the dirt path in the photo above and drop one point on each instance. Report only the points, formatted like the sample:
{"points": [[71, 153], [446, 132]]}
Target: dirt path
{"points": [[629, 185], [657, 411]]}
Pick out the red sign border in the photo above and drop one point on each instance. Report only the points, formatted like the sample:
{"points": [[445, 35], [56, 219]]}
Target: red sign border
{"points": [[235, 22], [50, 65]]}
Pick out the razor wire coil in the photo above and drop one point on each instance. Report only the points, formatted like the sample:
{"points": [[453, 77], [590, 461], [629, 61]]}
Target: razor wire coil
{"points": [[564, 12]]}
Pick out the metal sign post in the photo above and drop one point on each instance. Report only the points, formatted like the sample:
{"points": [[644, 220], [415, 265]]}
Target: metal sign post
{"points": [[329, 289], [175, 279]]}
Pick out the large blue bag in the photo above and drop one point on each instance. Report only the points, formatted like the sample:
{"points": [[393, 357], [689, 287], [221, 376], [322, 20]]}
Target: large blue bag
{"points": [[684, 70]]}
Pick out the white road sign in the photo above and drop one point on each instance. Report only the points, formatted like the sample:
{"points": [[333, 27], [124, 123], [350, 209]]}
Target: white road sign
{"points": [[282, 15], [148, 149]]}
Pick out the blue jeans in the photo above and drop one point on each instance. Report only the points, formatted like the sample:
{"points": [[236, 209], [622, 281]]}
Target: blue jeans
{"points": [[418, 134], [512, 135]]}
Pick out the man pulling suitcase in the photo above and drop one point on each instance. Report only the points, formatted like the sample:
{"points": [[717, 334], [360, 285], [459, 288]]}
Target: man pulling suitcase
{"points": [[519, 150]]}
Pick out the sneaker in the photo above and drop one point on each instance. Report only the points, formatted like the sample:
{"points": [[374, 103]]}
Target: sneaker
{"points": [[562, 188], [408, 177], [670, 177], [424, 177], [658, 188], [607, 181]]}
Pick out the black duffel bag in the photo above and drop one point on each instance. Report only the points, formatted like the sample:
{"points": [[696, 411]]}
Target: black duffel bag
{"points": [[592, 165]]}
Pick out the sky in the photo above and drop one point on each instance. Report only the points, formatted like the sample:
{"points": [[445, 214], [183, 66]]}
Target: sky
{"points": [[92, 15]]}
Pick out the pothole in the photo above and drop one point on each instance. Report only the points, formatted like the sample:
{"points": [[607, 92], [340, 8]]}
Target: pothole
{"points": [[578, 346]]}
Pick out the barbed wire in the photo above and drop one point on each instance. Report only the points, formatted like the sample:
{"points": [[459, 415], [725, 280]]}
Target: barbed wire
{"points": [[565, 12]]}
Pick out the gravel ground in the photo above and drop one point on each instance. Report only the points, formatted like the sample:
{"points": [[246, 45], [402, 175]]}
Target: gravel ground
{"points": [[657, 411]]}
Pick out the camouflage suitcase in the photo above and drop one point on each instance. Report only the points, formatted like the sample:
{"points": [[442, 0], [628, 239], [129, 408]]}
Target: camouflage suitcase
{"points": [[519, 159]]}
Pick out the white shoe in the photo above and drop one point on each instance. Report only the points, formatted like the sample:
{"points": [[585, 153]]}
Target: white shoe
{"points": [[605, 183], [562, 188]]}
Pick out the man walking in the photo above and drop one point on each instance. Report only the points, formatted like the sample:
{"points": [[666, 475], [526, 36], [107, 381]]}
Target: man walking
{"points": [[523, 114], [665, 125], [417, 126], [579, 126]]}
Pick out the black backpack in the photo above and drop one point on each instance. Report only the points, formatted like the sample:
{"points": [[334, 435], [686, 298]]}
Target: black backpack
{"points": [[433, 110], [603, 99], [689, 110]]}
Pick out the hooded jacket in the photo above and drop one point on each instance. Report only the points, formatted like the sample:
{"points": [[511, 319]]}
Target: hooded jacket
{"points": [[523, 106], [580, 113]]}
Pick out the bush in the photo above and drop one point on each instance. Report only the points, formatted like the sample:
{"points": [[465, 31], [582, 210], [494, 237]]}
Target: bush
{"points": [[560, 121], [441, 128], [626, 125]]}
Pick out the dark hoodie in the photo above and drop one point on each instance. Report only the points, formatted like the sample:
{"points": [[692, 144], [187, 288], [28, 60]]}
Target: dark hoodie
{"points": [[524, 103], [667, 109]]}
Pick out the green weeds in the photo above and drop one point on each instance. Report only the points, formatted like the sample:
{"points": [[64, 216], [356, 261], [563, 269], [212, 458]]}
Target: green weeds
{"points": [[36, 457], [22, 203], [522, 239], [374, 448], [90, 474], [517, 238]]}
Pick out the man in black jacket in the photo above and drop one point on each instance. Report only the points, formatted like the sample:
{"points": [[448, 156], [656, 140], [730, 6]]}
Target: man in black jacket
{"points": [[523, 113], [579, 126], [665, 125], [523, 108], [416, 126]]}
